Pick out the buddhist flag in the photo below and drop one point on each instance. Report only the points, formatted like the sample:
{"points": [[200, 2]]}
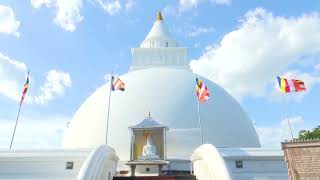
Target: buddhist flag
{"points": [[25, 89], [117, 84], [291, 85], [202, 91]]}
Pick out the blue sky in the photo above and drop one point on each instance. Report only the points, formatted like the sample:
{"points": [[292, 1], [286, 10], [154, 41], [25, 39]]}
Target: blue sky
{"points": [[70, 46]]}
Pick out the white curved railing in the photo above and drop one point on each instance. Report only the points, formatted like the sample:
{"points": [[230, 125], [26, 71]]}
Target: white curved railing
{"points": [[208, 164], [100, 164]]}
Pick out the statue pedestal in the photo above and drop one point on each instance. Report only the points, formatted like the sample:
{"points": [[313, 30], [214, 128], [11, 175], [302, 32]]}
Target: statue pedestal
{"points": [[148, 157], [146, 163]]}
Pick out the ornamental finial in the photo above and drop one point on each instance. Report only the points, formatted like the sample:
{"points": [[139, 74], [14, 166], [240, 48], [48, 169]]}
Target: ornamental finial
{"points": [[159, 16]]}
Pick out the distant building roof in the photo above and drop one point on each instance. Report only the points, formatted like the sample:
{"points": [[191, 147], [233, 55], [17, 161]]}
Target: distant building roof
{"points": [[301, 143]]}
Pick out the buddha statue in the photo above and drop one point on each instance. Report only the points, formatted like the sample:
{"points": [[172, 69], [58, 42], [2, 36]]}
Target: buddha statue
{"points": [[149, 151]]}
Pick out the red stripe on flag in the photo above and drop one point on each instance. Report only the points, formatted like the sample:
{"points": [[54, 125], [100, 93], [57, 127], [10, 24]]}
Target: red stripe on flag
{"points": [[298, 85], [25, 89], [287, 87], [202, 91]]}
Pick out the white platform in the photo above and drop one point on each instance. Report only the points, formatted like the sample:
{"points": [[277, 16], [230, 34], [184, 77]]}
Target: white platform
{"points": [[41, 164], [257, 163], [87, 164]]}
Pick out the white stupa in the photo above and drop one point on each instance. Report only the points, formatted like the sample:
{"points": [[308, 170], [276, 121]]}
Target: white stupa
{"points": [[160, 80]]}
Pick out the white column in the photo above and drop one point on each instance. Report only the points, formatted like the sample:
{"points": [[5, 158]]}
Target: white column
{"points": [[132, 144], [164, 144]]}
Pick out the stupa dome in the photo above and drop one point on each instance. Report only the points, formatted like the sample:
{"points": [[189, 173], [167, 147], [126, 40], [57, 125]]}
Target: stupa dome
{"points": [[170, 95]]}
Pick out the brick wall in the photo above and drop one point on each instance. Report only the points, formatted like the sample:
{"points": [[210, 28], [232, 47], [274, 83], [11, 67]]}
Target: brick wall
{"points": [[303, 159]]}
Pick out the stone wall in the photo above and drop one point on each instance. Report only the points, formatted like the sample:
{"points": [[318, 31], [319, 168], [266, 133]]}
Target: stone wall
{"points": [[303, 159]]}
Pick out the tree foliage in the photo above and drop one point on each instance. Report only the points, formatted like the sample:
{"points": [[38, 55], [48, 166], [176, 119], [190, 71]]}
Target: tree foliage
{"points": [[310, 134]]}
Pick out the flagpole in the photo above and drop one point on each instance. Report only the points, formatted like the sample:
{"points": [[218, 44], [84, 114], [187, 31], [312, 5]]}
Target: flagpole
{"points": [[25, 88], [286, 114], [108, 116], [199, 121], [15, 126]]}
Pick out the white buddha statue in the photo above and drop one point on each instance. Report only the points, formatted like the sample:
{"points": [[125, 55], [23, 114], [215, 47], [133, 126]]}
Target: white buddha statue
{"points": [[149, 150]]}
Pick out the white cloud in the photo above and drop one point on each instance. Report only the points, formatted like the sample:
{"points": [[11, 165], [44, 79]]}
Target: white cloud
{"points": [[47, 134], [111, 7], [170, 10], [271, 137], [190, 4], [247, 60], [222, 1], [39, 3], [55, 85], [196, 31], [13, 76], [67, 12], [130, 4], [293, 121], [8, 23]]}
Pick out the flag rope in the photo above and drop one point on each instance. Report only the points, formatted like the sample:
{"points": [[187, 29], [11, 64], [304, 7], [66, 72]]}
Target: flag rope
{"points": [[199, 121], [108, 116], [15, 126], [25, 89], [286, 114]]}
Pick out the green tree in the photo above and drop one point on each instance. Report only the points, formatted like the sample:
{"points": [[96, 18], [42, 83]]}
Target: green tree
{"points": [[310, 134]]}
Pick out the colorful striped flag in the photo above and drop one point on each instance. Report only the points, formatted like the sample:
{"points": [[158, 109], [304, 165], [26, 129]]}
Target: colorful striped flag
{"points": [[25, 89], [202, 91], [291, 85], [117, 84]]}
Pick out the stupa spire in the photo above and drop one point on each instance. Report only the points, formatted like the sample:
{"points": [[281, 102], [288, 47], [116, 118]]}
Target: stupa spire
{"points": [[159, 49], [159, 16]]}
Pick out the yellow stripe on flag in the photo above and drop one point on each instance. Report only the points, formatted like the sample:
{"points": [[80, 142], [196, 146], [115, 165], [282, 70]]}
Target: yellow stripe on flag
{"points": [[283, 85]]}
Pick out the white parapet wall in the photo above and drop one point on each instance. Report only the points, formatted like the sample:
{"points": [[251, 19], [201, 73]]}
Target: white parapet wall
{"points": [[101, 164], [255, 163], [41, 164], [62, 164], [208, 164]]}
